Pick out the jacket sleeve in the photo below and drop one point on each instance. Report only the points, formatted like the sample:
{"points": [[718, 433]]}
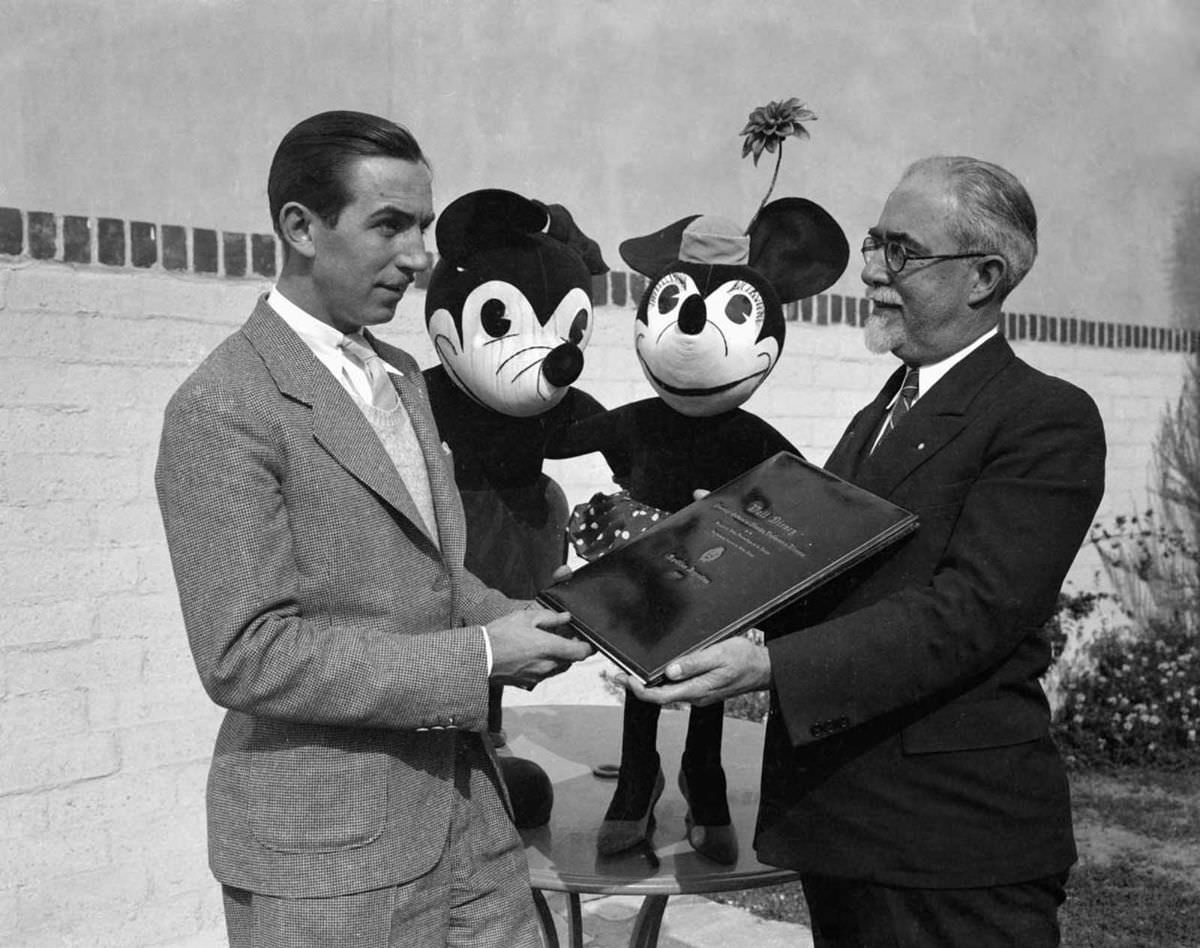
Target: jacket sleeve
{"points": [[220, 479], [1002, 528]]}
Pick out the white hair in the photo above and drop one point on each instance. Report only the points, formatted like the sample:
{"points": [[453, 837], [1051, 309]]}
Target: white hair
{"points": [[995, 213]]}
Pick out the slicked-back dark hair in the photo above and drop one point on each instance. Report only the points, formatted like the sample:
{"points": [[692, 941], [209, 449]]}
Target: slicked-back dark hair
{"points": [[310, 163]]}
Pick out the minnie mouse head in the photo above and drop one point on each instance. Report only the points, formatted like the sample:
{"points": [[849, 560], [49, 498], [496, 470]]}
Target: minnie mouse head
{"points": [[710, 327], [509, 305]]}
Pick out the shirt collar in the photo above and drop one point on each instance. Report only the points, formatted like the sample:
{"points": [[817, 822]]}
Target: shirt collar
{"points": [[320, 337], [931, 374]]}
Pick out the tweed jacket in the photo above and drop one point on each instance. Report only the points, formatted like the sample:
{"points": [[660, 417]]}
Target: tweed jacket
{"points": [[343, 641], [908, 739]]}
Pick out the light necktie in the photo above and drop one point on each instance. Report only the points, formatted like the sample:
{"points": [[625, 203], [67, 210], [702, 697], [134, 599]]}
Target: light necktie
{"points": [[383, 392], [904, 401]]}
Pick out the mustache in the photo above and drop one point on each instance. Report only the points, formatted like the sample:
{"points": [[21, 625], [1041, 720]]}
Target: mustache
{"points": [[884, 297]]}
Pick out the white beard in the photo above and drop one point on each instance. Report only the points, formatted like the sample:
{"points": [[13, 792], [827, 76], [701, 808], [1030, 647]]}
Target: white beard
{"points": [[883, 333]]}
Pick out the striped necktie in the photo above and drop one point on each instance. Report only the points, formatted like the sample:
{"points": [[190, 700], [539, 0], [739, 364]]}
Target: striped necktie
{"points": [[383, 392], [904, 401]]}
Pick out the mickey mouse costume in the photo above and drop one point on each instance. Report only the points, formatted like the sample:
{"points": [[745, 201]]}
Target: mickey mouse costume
{"points": [[509, 312]]}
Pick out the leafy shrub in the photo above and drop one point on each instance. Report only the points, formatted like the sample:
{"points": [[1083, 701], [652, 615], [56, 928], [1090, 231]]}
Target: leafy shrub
{"points": [[1073, 609], [1137, 702], [1154, 566], [752, 706]]}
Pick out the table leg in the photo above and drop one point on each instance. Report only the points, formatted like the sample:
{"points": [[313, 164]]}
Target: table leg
{"points": [[648, 922], [575, 920], [546, 918]]}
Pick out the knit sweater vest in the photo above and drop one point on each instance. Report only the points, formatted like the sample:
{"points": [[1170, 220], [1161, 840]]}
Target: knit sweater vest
{"points": [[396, 433]]}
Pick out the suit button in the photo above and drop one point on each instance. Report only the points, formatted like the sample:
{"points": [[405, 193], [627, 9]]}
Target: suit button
{"points": [[441, 582]]}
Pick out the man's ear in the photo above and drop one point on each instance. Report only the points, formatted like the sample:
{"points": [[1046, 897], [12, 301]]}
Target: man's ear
{"points": [[988, 272], [295, 225]]}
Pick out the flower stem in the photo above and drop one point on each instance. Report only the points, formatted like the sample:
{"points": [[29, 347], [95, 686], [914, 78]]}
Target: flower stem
{"points": [[774, 178]]}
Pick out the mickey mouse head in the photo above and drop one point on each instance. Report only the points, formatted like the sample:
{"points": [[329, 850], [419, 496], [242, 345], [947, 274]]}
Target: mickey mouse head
{"points": [[509, 306]]}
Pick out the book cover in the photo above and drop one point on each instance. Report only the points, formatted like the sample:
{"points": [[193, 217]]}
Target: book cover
{"points": [[724, 562]]}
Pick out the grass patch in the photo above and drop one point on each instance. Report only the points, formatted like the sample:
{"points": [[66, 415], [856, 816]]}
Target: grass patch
{"points": [[779, 903], [1143, 808], [1126, 901]]}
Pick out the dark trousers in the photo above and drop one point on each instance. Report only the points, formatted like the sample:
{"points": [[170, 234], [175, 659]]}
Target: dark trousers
{"points": [[847, 913]]}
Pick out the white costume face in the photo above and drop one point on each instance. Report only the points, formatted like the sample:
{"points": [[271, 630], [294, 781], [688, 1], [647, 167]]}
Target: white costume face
{"points": [[702, 354], [508, 360]]}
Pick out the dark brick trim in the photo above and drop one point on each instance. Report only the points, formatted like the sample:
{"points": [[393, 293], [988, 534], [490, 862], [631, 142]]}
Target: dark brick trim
{"points": [[114, 242]]}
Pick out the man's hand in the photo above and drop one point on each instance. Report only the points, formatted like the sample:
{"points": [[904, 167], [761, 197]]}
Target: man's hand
{"points": [[523, 653], [712, 674]]}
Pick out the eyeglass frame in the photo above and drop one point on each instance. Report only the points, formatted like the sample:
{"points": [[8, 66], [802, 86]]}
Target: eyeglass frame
{"points": [[877, 244]]}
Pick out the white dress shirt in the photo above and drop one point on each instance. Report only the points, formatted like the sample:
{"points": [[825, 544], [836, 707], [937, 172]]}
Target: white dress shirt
{"points": [[930, 375]]}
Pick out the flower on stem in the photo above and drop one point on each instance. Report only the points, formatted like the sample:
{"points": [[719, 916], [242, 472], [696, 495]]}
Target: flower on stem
{"points": [[772, 124], [768, 127]]}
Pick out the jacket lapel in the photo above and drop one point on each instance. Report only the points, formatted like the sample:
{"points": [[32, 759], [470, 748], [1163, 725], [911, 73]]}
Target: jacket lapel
{"points": [[933, 422], [337, 423], [855, 443]]}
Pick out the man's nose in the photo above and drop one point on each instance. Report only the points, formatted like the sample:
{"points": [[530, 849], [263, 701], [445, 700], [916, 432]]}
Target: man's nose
{"points": [[412, 254], [875, 271]]}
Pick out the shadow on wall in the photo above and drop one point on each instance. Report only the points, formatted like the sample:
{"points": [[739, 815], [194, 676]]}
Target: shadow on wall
{"points": [[1184, 275]]}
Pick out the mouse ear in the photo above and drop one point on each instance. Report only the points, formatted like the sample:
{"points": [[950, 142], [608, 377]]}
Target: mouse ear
{"points": [[654, 253], [485, 220], [798, 246], [564, 229]]}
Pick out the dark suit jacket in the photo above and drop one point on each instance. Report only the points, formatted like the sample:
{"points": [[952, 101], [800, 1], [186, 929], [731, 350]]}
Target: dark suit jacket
{"points": [[908, 740], [343, 641]]}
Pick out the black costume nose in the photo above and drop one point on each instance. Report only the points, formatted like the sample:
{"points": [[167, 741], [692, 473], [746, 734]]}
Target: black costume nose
{"points": [[563, 365], [692, 316]]}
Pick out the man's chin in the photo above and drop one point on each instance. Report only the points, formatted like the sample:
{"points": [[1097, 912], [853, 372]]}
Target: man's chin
{"points": [[380, 315], [882, 334]]}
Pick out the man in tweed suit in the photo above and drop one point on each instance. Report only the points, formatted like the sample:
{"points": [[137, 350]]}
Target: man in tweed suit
{"points": [[317, 539], [908, 771]]}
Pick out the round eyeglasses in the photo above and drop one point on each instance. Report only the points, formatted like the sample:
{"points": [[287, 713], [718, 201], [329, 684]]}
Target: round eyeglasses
{"points": [[896, 255]]}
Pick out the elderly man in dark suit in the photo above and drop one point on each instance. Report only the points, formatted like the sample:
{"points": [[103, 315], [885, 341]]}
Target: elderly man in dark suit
{"points": [[317, 539], [908, 770]]}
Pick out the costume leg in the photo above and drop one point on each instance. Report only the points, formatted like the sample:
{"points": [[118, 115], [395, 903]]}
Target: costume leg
{"points": [[630, 815], [702, 781]]}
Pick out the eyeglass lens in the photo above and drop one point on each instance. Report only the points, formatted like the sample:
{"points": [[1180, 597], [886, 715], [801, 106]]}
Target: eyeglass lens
{"points": [[894, 254]]}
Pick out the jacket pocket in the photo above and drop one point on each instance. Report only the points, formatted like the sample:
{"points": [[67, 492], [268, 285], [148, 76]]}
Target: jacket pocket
{"points": [[974, 725], [305, 801]]}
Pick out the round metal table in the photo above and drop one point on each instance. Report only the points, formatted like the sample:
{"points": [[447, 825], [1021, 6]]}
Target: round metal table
{"points": [[568, 741]]}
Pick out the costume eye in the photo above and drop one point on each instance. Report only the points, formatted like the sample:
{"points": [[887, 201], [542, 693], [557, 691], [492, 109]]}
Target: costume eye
{"points": [[668, 298], [743, 303], [738, 308], [668, 293], [578, 327], [492, 318]]}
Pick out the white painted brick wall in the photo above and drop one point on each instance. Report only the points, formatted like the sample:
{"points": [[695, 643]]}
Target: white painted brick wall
{"points": [[105, 731]]}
